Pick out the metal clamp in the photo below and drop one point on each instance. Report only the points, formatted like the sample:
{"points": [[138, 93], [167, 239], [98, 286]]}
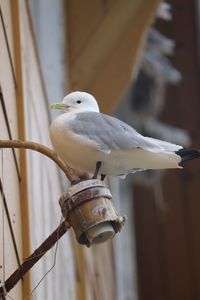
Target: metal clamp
{"points": [[82, 192], [87, 206]]}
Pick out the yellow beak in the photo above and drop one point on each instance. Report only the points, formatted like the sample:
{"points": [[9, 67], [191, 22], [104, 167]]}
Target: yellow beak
{"points": [[57, 106]]}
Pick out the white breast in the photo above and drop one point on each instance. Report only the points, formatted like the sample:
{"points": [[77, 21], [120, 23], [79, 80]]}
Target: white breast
{"points": [[78, 151]]}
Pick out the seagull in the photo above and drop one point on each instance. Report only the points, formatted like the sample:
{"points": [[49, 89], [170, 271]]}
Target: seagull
{"points": [[99, 144]]}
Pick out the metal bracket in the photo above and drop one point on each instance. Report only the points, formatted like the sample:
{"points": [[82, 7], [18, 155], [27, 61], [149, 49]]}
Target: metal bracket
{"points": [[87, 206]]}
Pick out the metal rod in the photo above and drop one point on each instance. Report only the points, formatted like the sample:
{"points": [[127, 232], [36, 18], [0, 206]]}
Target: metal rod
{"points": [[69, 172], [34, 257]]}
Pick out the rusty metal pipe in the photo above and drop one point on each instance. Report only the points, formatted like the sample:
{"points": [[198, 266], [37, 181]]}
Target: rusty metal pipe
{"points": [[33, 258]]}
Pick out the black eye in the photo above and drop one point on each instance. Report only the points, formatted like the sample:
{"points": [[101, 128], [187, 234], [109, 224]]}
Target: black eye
{"points": [[78, 101]]}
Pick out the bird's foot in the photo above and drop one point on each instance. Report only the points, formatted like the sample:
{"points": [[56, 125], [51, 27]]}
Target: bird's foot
{"points": [[103, 177], [98, 166]]}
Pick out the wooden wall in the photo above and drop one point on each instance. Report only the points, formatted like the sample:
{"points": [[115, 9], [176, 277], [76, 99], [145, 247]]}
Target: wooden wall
{"points": [[168, 242], [11, 162], [79, 273], [105, 39], [44, 184], [30, 184], [24, 112]]}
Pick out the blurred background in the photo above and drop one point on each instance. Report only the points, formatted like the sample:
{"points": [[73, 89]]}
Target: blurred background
{"points": [[140, 59]]}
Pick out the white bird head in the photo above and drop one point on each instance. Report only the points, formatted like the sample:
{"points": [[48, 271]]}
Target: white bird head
{"points": [[77, 101]]}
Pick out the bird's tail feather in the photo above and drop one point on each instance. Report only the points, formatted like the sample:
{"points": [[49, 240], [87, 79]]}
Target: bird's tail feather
{"points": [[165, 145], [186, 154]]}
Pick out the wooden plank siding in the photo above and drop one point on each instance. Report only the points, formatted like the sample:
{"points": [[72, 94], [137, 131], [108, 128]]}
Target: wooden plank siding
{"points": [[88, 272], [10, 175], [43, 176], [105, 40], [22, 136], [168, 242], [30, 184]]}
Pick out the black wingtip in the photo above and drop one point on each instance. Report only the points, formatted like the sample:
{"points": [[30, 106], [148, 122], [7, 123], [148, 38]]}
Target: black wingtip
{"points": [[187, 154]]}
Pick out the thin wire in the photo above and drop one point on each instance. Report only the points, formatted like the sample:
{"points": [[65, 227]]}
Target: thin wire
{"points": [[3, 214], [38, 255], [54, 263], [3, 227]]}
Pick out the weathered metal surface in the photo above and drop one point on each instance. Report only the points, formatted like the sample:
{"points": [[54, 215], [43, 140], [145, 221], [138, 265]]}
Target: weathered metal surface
{"points": [[88, 208]]}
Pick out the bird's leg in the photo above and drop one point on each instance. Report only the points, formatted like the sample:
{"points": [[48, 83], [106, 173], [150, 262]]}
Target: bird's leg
{"points": [[103, 177], [98, 166]]}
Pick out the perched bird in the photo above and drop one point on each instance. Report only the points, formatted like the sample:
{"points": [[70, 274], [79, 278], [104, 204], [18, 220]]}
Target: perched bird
{"points": [[96, 143]]}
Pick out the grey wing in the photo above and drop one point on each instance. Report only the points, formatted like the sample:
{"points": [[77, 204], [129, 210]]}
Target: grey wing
{"points": [[109, 133]]}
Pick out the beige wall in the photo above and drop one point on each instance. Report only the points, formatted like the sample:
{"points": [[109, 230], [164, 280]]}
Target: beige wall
{"points": [[79, 273], [31, 188], [10, 174], [43, 178]]}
